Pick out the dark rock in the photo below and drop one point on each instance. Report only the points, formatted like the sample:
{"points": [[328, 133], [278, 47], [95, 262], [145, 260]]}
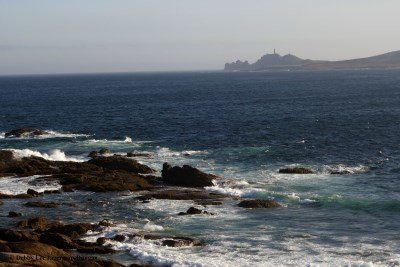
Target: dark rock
{"points": [[57, 240], [119, 238], [96, 250], [14, 214], [131, 154], [104, 151], [36, 248], [296, 170], [207, 202], [33, 193], [38, 204], [259, 203], [103, 174], [37, 223], [19, 196], [25, 132], [172, 194], [120, 163], [93, 154], [73, 230], [105, 223], [186, 176], [193, 210], [101, 241], [17, 236], [180, 242]]}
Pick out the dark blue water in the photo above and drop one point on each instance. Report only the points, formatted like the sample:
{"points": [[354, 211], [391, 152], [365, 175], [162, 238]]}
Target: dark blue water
{"points": [[244, 127]]}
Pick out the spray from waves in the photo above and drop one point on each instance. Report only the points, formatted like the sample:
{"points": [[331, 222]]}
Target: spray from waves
{"points": [[53, 155], [341, 168], [18, 185], [49, 134], [127, 140]]}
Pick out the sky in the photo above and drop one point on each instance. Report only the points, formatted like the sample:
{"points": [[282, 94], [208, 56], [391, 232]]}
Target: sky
{"points": [[71, 36]]}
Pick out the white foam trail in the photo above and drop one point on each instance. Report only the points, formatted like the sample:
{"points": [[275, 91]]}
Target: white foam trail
{"points": [[152, 227], [54, 155], [49, 134], [327, 169], [54, 134], [235, 188], [19, 185]]}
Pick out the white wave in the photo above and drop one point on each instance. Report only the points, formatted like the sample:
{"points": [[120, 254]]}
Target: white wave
{"points": [[19, 185], [128, 139], [150, 226], [236, 188], [2, 135], [54, 155], [54, 134], [50, 134], [343, 168], [165, 152]]}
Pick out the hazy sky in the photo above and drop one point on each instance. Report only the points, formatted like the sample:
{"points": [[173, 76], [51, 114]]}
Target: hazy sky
{"points": [[68, 36]]}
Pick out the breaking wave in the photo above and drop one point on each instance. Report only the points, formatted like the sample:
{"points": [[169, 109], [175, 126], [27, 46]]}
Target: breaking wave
{"points": [[54, 155]]}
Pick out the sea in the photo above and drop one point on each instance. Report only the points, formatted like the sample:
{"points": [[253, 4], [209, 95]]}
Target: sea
{"points": [[243, 127]]}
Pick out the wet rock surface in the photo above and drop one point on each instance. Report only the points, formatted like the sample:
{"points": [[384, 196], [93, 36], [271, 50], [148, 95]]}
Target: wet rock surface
{"points": [[25, 132], [186, 176], [178, 194], [100, 174], [258, 203], [194, 211]]}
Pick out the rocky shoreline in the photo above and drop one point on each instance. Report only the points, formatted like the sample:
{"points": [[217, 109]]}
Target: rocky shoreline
{"points": [[38, 241]]}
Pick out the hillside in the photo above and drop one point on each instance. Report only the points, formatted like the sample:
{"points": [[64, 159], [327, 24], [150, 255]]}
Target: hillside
{"points": [[290, 62]]}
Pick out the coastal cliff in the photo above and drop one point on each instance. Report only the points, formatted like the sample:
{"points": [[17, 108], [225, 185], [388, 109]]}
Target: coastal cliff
{"points": [[290, 62]]}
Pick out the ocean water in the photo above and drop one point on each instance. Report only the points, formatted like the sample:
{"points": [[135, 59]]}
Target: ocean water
{"points": [[243, 127]]}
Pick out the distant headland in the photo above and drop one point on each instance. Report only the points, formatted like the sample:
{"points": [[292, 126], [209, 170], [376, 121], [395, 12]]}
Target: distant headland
{"points": [[290, 62]]}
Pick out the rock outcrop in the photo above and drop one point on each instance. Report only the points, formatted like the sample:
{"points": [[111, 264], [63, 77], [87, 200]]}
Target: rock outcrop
{"points": [[258, 203], [186, 176], [296, 170], [25, 132]]}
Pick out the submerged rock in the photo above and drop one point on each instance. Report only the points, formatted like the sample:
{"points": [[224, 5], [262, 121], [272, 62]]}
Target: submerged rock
{"points": [[296, 170], [93, 154], [340, 173], [172, 194], [25, 132], [104, 151], [259, 203], [14, 214], [193, 211], [39, 204], [186, 176], [33, 193]]}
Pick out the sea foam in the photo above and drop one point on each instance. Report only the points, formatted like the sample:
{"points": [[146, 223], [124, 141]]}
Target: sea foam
{"points": [[54, 155]]}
